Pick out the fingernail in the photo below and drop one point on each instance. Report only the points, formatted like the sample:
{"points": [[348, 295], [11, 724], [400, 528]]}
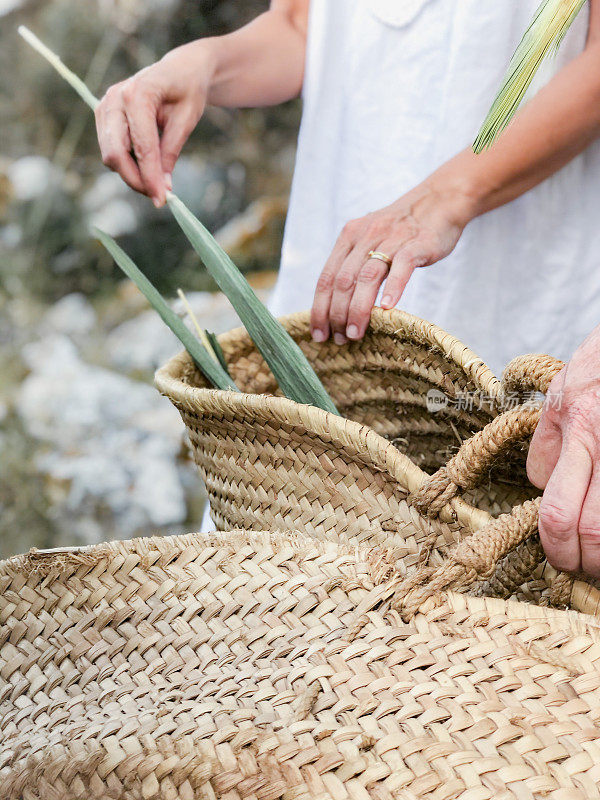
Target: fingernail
{"points": [[169, 181], [388, 301], [339, 338], [352, 332], [318, 335], [156, 202]]}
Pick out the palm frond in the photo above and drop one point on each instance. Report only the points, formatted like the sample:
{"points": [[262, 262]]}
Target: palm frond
{"points": [[552, 20]]}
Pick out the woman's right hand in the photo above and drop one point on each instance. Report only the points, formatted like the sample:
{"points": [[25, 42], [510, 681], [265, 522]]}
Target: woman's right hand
{"points": [[144, 122]]}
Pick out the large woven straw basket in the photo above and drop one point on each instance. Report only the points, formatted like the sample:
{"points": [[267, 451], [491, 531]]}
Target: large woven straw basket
{"points": [[254, 666], [388, 467]]}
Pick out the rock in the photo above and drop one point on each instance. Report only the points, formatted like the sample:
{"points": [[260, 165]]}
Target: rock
{"points": [[143, 343], [6, 6], [112, 442], [42, 357], [211, 191], [11, 236], [117, 218], [110, 206], [246, 235], [107, 187], [33, 176], [73, 316]]}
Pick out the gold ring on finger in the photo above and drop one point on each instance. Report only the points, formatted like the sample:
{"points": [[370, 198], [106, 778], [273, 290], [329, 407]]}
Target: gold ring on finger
{"points": [[379, 256]]}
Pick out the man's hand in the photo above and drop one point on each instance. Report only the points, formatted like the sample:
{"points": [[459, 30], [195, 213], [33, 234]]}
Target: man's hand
{"points": [[564, 459], [415, 231], [151, 115]]}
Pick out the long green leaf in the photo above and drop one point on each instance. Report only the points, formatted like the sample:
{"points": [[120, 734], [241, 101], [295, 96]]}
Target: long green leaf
{"points": [[289, 365], [70, 77], [552, 20], [295, 376], [217, 349], [208, 365]]}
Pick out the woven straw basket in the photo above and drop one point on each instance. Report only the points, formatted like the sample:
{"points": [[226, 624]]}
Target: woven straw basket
{"points": [[254, 666], [389, 470]]}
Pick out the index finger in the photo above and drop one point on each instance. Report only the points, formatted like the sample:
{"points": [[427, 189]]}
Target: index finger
{"points": [[145, 141], [319, 317], [115, 146], [562, 505]]}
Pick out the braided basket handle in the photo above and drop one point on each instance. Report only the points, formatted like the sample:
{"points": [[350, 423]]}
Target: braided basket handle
{"points": [[472, 560], [476, 456], [531, 373]]}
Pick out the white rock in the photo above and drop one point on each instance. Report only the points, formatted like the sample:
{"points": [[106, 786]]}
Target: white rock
{"points": [[6, 6], [11, 235], [32, 176], [73, 315], [44, 356], [157, 488], [107, 187], [116, 218], [112, 440], [141, 343]]}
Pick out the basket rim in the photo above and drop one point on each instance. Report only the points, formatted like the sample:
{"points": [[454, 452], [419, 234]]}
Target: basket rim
{"points": [[355, 436], [392, 322], [46, 565]]}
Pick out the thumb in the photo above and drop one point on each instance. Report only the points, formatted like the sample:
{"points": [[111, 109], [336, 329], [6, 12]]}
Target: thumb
{"points": [[177, 128]]}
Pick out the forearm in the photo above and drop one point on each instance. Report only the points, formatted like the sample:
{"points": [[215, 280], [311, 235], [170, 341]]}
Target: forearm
{"points": [[260, 64], [554, 127]]}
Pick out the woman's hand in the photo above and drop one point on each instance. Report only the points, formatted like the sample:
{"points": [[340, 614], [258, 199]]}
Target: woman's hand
{"points": [[151, 115], [564, 459], [144, 122], [415, 231]]}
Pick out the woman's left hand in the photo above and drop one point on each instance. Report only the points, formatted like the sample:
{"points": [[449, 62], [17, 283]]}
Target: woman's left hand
{"points": [[415, 231]]}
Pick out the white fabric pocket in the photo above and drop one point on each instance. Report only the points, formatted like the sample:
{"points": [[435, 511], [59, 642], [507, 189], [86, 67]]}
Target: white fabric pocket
{"points": [[396, 13]]}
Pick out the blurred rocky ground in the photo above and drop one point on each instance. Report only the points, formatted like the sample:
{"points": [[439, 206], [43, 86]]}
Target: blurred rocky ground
{"points": [[88, 449]]}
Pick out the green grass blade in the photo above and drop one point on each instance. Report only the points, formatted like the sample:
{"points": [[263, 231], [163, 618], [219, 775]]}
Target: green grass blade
{"points": [[202, 334], [552, 20], [70, 77], [208, 365], [289, 365], [217, 349]]}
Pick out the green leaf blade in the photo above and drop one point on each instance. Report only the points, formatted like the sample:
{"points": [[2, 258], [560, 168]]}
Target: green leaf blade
{"points": [[217, 349], [286, 360], [209, 367], [73, 80]]}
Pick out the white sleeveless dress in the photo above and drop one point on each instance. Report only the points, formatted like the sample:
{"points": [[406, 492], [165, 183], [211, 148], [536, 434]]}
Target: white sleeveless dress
{"points": [[394, 88]]}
